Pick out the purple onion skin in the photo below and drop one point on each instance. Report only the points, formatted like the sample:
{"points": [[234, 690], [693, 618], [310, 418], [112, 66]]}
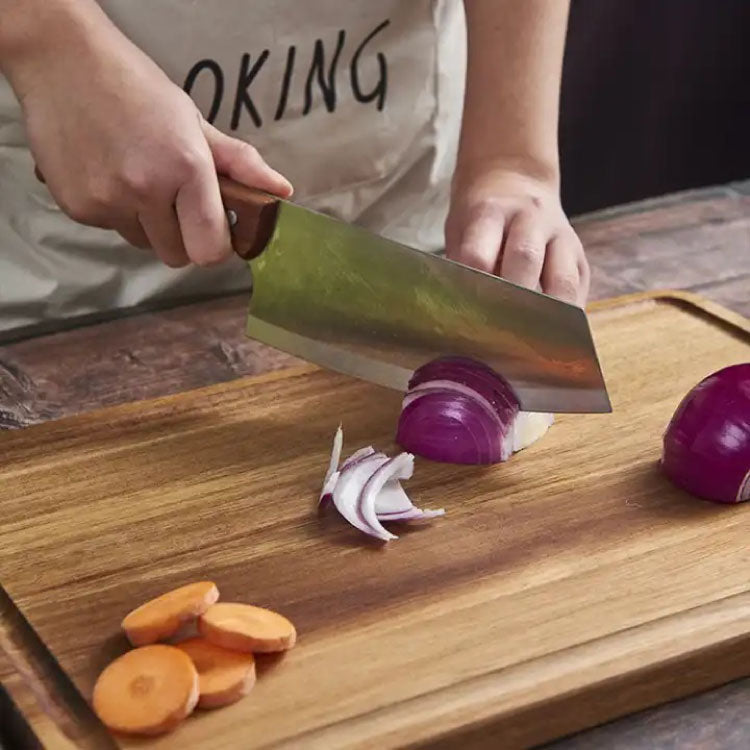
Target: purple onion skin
{"points": [[474, 375], [449, 428], [706, 446]]}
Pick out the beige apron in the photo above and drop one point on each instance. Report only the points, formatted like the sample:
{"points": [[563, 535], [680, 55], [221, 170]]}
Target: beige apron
{"points": [[357, 102]]}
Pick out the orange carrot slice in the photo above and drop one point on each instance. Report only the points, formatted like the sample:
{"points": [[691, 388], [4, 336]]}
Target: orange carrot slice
{"points": [[243, 627], [147, 691], [223, 676], [162, 617]]}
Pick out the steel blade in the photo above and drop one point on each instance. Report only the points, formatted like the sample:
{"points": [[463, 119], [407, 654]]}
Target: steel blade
{"points": [[351, 301]]}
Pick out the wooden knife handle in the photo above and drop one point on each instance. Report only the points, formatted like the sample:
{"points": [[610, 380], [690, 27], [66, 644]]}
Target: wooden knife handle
{"points": [[252, 217]]}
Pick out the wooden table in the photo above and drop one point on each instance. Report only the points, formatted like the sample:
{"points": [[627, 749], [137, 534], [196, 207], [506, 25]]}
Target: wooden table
{"points": [[698, 241]]}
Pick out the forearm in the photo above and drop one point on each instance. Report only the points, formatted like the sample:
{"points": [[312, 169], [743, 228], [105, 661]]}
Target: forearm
{"points": [[510, 119], [34, 32]]}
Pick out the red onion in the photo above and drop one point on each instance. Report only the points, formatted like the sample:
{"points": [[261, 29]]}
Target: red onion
{"points": [[366, 489], [460, 411], [706, 446]]}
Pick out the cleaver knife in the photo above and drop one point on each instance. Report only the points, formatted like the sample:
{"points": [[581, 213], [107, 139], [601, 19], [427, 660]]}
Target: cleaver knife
{"points": [[348, 300]]}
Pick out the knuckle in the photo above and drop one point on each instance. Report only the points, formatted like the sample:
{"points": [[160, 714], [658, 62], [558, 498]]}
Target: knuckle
{"points": [[83, 209], [471, 254], [139, 182], [527, 251], [102, 195], [487, 208], [188, 163], [206, 221], [565, 285], [247, 151]]}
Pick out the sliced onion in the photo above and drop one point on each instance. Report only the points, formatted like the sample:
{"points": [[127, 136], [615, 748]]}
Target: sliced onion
{"points": [[333, 463], [706, 446], [348, 491], [327, 490], [366, 490], [415, 514], [399, 467], [392, 500], [358, 455], [460, 411]]}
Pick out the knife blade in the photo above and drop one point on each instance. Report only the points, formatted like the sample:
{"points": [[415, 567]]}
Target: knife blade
{"points": [[351, 301]]}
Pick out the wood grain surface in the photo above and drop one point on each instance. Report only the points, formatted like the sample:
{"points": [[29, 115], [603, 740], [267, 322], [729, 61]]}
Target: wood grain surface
{"points": [[697, 240], [571, 585]]}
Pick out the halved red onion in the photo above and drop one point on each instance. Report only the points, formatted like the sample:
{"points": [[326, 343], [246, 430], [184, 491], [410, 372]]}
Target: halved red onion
{"points": [[366, 490], [477, 376], [706, 446], [460, 411], [528, 427], [451, 427], [440, 386]]}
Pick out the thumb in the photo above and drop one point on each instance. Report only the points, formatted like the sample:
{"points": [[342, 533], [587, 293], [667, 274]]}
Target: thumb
{"points": [[241, 162]]}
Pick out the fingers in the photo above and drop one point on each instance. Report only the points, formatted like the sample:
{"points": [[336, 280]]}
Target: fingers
{"points": [[565, 274], [584, 276], [478, 245], [132, 232], [523, 251], [162, 229], [200, 212], [535, 249], [241, 162]]}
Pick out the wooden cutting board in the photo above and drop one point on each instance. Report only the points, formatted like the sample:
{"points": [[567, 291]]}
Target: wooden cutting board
{"points": [[565, 587]]}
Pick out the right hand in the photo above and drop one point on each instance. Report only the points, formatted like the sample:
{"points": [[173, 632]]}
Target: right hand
{"points": [[122, 147]]}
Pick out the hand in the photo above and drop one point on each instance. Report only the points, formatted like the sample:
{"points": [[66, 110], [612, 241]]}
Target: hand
{"points": [[121, 147], [513, 225]]}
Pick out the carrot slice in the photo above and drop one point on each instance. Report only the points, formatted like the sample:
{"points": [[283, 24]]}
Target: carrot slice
{"points": [[147, 691], [223, 676], [243, 627], [162, 617]]}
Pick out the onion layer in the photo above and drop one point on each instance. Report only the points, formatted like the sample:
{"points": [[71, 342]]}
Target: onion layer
{"points": [[460, 411], [366, 489], [706, 446]]}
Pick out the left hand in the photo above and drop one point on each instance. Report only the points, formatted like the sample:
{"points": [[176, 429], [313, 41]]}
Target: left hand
{"points": [[513, 225]]}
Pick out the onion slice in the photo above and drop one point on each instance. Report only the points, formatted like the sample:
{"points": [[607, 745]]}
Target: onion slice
{"points": [[333, 464], [358, 455], [366, 489], [399, 467], [392, 499], [348, 491]]}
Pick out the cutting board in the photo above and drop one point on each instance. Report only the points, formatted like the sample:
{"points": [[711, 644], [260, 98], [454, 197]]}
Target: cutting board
{"points": [[567, 586]]}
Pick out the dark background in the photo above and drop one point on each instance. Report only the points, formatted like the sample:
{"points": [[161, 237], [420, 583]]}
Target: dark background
{"points": [[655, 98]]}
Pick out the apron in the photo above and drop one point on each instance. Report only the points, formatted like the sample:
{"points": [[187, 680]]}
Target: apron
{"points": [[358, 103]]}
